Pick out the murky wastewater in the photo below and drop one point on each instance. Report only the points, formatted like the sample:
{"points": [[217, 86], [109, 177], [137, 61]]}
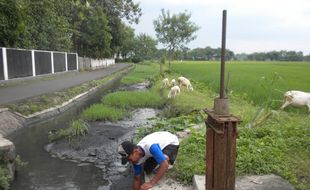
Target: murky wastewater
{"points": [[91, 163]]}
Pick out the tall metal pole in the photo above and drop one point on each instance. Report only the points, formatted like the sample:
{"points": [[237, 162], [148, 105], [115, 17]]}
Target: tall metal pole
{"points": [[222, 92], [221, 136]]}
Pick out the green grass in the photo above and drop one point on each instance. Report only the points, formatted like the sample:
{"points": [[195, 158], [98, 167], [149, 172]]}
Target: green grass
{"points": [[280, 145], [78, 128], [257, 81], [141, 73], [133, 99], [102, 112]]}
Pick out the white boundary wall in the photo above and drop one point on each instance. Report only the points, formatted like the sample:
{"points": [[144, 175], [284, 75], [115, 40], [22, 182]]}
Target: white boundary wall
{"points": [[5, 63]]}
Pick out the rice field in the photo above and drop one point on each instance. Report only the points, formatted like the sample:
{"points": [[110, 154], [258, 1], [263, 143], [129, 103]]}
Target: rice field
{"points": [[256, 81]]}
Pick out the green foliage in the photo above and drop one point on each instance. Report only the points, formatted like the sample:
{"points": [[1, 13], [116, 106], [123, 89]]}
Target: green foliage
{"points": [[174, 30], [96, 34], [206, 53], [133, 99], [78, 128], [11, 24], [173, 125], [105, 26], [46, 27], [258, 150], [280, 145], [19, 162], [4, 178], [102, 112], [127, 36], [92, 28], [185, 165], [144, 47]]}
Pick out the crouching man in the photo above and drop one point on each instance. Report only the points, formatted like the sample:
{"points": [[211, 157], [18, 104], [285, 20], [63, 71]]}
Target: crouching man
{"points": [[159, 148]]}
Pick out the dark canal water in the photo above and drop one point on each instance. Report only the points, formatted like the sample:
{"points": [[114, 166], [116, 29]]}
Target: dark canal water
{"points": [[45, 171]]}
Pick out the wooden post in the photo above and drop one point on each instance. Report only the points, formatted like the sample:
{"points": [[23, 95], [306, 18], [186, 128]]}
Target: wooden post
{"points": [[221, 151]]}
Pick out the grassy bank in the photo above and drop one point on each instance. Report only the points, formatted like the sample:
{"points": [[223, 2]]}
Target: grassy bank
{"points": [[42, 102], [279, 144]]}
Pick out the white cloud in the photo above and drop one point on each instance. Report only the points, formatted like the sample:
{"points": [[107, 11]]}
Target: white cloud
{"points": [[263, 24]]}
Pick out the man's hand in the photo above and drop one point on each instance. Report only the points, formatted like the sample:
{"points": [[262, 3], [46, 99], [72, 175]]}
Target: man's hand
{"points": [[146, 186]]}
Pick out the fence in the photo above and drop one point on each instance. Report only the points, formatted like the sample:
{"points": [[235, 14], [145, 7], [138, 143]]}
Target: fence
{"points": [[92, 64], [18, 63]]}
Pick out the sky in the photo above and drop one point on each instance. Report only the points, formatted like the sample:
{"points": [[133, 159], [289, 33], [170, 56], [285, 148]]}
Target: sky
{"points": [[252, 25]]}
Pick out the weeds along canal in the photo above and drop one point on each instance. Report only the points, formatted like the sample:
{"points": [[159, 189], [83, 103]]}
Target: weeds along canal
{"points": [[87, 164]]}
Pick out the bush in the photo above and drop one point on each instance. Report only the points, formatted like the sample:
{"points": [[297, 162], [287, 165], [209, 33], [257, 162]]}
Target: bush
{"points": [[136, 59], [4, 178]]}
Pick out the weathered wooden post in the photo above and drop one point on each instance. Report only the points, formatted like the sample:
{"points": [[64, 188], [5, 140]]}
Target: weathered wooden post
{"points": [[221, 136]]}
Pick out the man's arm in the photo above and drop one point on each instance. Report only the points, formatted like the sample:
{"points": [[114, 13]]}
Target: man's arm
{"points": [[160, 158], [136, 182], [160, 173]]}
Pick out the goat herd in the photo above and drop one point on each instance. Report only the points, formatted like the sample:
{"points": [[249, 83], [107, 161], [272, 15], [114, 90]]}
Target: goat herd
{"points": [[293, 97], [174, 88]]}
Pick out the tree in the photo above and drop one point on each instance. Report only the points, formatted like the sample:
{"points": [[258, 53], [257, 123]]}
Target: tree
{"points": [[96, 34], [116, 11], [128, 40], [174, 31], [144, 47], [11, 25], [46, 26]]}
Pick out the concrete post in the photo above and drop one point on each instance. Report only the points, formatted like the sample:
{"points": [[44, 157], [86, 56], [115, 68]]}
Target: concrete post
{"points": [[33, 63], [52, 62], [5, 64], [66, 55], [77, 61]]}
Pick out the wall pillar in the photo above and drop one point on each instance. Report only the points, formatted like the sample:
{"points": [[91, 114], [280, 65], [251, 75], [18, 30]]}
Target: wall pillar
{"points": [[5, 64], [33, 63]]}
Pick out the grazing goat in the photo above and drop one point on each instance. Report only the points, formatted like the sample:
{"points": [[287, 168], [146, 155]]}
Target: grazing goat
{"points": [[165, 83], [185, 82], [174, 91], [297, 99], [172, 83]]}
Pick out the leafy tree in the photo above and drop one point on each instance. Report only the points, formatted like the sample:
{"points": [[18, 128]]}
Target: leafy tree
{"points": [[93, 28], [121, 9], [45, 25], [307, 58], [116, 11], [174, 31], [96, 34], [128, 40], [11, 25], [144, 47]]}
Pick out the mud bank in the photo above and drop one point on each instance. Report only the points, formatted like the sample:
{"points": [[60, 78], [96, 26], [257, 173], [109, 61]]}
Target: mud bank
{"points": [[99, 147]]}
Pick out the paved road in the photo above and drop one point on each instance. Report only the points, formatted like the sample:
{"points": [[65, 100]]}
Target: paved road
{"points": [[23, 89]]}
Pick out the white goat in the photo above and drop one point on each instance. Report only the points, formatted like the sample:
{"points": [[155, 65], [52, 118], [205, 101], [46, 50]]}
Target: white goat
{"points": [[185, 82], [174, 91], [297, 99], [172, 82], [165, 83]]}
